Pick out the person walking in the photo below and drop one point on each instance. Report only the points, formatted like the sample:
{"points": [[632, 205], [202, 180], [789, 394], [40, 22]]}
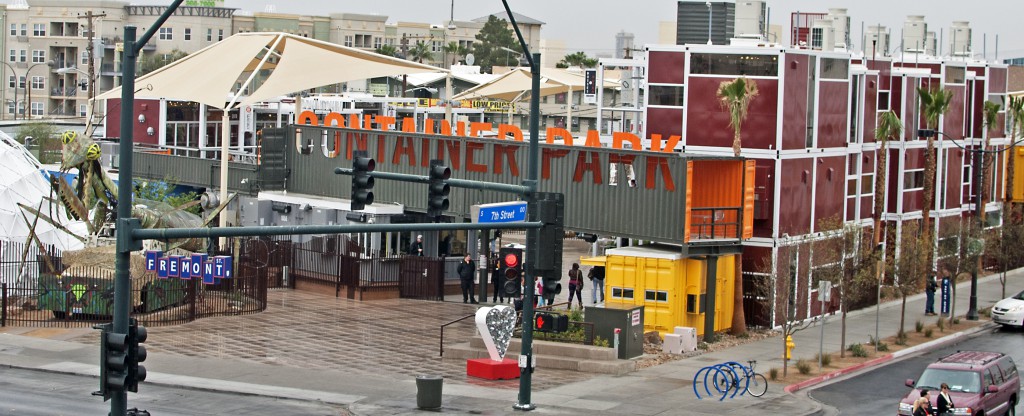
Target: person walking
{"points": [[496, 280], [596, 276], [465, 272], [575, 285], [538, 292], [943, 404], [930, 286], [416, 248]]}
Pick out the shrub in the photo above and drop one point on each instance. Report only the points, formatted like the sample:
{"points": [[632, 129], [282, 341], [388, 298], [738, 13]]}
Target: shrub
{"points": [[941, 324], [826, 359], [901, 338], [858, 350], [928, 333], [956, 321], [918, 326], [773, 374], [600, 342], [702, 345], [803, 366], [883, 346]]}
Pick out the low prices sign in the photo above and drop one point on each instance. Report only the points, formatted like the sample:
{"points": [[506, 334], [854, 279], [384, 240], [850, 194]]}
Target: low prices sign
{"points": [[197, 266]]}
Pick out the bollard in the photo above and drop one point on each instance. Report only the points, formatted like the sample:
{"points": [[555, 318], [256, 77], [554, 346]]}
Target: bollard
{"points": [[428, 392], [616, 345]]}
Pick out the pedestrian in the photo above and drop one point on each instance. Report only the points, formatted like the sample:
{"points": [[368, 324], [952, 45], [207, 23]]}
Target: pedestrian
{"points": [[444, 246], [923, 405], [416, 248], [498, 281], [465, 271], [538, 292], [930, 286], [943, 404], [596, 275], [575, 285]]}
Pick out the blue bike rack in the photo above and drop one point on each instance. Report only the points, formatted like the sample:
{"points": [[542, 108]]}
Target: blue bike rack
{"points": [[726, 370]]}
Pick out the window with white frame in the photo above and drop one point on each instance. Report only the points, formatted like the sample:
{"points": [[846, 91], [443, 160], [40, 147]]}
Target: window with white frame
{"points": [[37, 108], [867, 183], [622, 293], [24, 32], [377, 42], [188, 33], [38, 29], [21, 82], [883, 101], [851, 177], [37, 82], [85, 57], [12, 81], [913, 179], [220, 34], [10, 106], [209, 34], [83, 110], [22, 55], [38, 56], [14, 55], [348, 40], [14, 32], [166, 33], [436, 46], [656, 295]]}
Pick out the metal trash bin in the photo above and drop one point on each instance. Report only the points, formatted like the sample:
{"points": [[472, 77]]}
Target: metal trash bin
{"points": [[428, 392]]}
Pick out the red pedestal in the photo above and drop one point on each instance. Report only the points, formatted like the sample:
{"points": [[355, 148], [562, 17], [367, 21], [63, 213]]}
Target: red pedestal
{"points": [[489, 369]]}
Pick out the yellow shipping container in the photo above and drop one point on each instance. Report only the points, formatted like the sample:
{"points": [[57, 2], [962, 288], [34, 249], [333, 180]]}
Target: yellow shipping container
{"points": [[669, 285], [1018, 174]]}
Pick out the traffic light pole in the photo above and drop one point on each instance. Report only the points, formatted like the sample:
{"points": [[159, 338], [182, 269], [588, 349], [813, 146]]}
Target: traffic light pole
{"points": [[125, 223]]}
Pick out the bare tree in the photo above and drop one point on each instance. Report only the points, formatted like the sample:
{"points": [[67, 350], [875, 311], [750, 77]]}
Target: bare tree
{"points": [[845, 257], [1003, 247], [910, 266], [779, 288]]}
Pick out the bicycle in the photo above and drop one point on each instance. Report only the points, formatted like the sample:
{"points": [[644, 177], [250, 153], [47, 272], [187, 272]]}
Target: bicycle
{"points": [[757, 384]]}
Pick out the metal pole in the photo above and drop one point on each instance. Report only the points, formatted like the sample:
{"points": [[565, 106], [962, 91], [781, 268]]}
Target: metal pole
{"points": [[225, 139], [122, 256], [972, 306], [709, 299], [821, 340]]}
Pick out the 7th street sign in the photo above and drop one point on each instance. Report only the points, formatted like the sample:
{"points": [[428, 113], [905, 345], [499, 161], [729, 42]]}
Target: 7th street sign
{"points": [[514, 211]]}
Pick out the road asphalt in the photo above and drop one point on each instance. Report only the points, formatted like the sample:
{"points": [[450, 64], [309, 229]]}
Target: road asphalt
{"points": [[665, 389]]}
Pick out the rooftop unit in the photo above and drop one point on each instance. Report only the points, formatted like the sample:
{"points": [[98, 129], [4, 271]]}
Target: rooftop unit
{"points": [[914, 31], [960, 39]]}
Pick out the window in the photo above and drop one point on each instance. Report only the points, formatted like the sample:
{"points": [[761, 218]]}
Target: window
{"points": [[348, 40], [12, 81], [695, 303], [166, 33], [188, 33], [734, 64], [867, 184], [10, 104], [376, 42], [38, 29], [85, 57], [14, 32], [14, 55], [834, 68], [436, 46], [220, 34], [656, 296], [37, 109], [24, 32], [22, 56], [955, 75], [209, 34], [883, 101], [668, 95], [37, 82], [21, 82], [913, 179], [38, 56], [622, 293], [82, 110], [812, 103]]}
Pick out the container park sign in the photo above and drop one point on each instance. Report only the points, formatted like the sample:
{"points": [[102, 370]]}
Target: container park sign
{"points": [[197, 266]]}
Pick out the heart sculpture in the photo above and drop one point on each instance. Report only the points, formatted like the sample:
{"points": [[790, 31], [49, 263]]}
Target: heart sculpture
{"points": [[496, 325]]}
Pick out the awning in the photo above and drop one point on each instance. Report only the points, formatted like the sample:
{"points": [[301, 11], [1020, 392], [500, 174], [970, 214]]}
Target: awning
{"points": [[511, 85]]}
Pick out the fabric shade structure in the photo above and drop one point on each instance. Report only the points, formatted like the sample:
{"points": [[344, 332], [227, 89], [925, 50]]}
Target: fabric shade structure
{"points": [[513, 85], [265, 65]]}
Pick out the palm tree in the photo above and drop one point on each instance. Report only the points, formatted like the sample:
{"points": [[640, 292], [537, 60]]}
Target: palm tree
{"points": [[890, 127], [736, 96], [388, 50], [455, 51], [1014, 109], [934, 103], [577, 59], [420, 51], [990, 113]]}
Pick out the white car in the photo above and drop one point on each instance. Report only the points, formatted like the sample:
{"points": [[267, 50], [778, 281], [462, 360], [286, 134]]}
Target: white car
{"points": [[1010, 311]]}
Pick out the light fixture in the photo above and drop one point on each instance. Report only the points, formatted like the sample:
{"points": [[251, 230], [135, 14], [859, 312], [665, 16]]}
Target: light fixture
{"points": [[150, 131], [142, 118]]}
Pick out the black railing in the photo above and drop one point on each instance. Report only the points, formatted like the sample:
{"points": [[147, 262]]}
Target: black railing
{"points": [[715, 223]]}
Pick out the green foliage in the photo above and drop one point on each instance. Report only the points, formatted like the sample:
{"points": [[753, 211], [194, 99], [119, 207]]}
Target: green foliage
{"points": [[941, 324], [857, 350], [901, 338], [577, 59], [803, 366], [773, 374], [918, 326], [494, 35], [601, 342], [388, 50], [454, 52], [420, 51], [161, 191], [826, 359], [45, 136], [928, 333], [735, 96], [154, 61]]}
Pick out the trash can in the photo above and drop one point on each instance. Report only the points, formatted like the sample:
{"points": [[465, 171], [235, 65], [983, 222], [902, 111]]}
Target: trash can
{"points": [[428, 392]]}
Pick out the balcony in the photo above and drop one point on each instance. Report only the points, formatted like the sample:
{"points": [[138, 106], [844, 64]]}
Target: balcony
{"points": [[715, 223], [720, 203], [64, 92]]}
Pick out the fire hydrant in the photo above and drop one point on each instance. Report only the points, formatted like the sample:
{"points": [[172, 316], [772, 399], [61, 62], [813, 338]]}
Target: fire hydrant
{"points": [[789, 346]]}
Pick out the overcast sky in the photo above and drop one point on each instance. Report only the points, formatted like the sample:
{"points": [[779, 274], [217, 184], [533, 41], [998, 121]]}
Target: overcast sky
{"points": [[591, 25]]}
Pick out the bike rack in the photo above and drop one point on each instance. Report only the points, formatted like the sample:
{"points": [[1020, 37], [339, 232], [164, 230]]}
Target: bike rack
{"points": [[728, 370]]}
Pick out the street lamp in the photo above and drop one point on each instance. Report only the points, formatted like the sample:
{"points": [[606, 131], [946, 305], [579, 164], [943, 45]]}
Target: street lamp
{"points": [[711, 15], [972, 306], [15, 89], [28, 80]]}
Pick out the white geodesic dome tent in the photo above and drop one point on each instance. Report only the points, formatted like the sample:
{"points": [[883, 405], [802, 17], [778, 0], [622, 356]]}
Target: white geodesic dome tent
{"points": [[22, 182]]}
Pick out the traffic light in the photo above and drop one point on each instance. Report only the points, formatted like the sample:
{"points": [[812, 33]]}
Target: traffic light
{"points": [[437, 198], [113, 362], [548, 208], [362, 182], [550, 322], [512, 268], [137, 334]]}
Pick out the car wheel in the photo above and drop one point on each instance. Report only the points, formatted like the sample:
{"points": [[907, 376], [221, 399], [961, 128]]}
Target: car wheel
{"points": [[1013, 407]]}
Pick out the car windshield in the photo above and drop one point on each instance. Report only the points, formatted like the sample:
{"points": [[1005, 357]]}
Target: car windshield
{"points": [[963, 381], [1020, 296]]}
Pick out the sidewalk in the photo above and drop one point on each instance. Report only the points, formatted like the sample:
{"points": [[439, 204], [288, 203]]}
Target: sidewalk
{"points": [[663, 389]]}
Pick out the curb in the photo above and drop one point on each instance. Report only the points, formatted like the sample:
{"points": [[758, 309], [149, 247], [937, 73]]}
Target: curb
{"points": [[792, 388]]}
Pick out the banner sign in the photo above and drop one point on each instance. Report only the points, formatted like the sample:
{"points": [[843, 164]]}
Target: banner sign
{"points": [[945, 296], [196, 266]]}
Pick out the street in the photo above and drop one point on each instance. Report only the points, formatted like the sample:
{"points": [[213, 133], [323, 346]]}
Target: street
{"points": [[26, 392], [879, 391]]}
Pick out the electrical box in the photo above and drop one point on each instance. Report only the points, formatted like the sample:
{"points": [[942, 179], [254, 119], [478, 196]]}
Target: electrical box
{"points": [[628, 319]]}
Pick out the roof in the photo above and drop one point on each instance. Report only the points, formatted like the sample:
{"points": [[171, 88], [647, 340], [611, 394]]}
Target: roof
{"points": [[526, 20], [971, 358], [650, 252]]}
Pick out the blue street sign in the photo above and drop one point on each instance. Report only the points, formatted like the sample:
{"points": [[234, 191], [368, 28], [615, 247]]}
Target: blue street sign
{"points": [[173, 262], [945, 296], [208, 272], [197, 265], [186, 268], [151, 259], [514, 211], [161, 265]]}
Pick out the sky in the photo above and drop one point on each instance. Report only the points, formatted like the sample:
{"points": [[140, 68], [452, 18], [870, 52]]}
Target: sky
{"points": [[591, 25]]}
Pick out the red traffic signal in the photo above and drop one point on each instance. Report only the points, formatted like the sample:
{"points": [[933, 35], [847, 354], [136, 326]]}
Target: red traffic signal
{"points": [[511, 260], [548, 322]]}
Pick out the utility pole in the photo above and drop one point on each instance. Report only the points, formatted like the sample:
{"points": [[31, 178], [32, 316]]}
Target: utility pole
{"points": [[91, 72]]}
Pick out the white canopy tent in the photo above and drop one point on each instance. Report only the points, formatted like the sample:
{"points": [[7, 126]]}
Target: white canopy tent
{"points": [[251, 67], [513, 85]]}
